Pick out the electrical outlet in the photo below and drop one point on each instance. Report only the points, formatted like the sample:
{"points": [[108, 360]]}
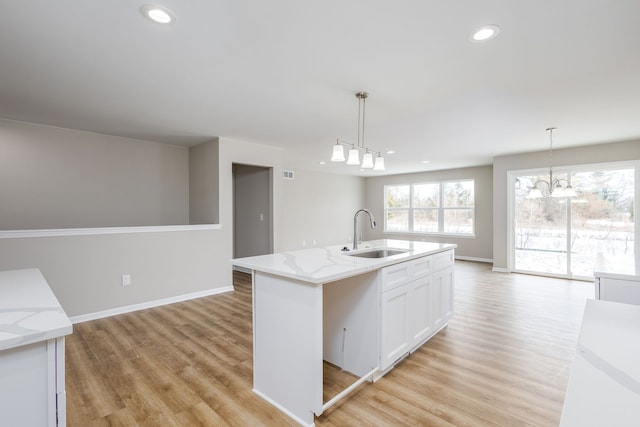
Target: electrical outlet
{"points": [[126, 279]]}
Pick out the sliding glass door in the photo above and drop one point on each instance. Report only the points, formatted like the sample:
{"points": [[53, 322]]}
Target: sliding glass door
{"points": [[560, 236]]}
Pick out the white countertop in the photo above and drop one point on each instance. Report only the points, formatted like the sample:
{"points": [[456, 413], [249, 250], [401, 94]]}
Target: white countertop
{"points": [[604, 388], [623, 267], [328, 264], [29, 311]]}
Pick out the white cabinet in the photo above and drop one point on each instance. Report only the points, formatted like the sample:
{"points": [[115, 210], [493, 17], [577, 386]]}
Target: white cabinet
{"points": [[420, 311], [617, 278], [395, 330], [416, 301], [618, 290], [33, 391], [32, 330], [443, 286]]}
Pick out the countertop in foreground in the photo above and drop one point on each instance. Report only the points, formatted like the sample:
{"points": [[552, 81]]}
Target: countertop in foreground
{"points": [[328, 264], [29, 311], [604, 387]]}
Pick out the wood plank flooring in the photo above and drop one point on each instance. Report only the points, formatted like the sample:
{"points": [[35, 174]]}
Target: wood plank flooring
{"points": [[504, 360]]}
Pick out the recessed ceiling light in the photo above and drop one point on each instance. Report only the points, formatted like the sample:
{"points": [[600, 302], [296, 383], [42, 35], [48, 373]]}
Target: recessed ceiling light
{"points": [[391, 152], [322, 163], [424, 162], [159, 14], [485, 33]]}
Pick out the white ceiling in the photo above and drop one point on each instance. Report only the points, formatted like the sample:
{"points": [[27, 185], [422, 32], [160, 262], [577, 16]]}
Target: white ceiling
{"points": [[285, 73]]}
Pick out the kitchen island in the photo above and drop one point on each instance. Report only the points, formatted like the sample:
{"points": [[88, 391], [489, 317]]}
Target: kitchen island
{"points": [[32, 330], [360, 313]]}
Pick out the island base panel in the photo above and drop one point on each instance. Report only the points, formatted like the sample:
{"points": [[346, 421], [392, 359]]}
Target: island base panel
{"points": [[287, 361]]}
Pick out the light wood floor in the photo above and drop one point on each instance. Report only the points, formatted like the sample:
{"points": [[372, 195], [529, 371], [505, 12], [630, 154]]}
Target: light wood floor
{"points": [[504, 360]]}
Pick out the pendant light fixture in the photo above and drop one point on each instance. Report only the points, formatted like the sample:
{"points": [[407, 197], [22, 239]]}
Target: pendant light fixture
{"points": [[555, 187], [354, 152], [379, 166], [338, 153]]}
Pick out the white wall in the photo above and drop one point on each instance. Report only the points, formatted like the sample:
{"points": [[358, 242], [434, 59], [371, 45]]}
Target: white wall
{"points": [[479, 247], [602, 153], [318, 208], [60, 178]]}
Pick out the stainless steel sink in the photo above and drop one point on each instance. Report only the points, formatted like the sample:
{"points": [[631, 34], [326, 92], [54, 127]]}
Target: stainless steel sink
{"points": [[378, 253]]}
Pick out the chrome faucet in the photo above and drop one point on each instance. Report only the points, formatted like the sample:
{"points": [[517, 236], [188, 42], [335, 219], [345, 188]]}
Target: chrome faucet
{"points": [[355, 228]]}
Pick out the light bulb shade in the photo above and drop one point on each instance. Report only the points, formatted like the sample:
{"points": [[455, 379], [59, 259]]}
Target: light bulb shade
{"points": [[570, 192], [534, 193], [558, 192], [367, 161], [354, 157], [338, 153], [379, 166]]}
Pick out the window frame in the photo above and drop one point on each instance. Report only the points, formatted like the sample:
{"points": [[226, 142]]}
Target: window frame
{"points": [[441, 209]]}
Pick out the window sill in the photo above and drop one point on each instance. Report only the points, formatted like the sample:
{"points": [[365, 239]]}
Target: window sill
{"points": [[415, 233]]}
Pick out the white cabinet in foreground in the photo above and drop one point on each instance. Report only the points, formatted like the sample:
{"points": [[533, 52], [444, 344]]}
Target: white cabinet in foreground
{"points": [[416, 302], [32, 330]]}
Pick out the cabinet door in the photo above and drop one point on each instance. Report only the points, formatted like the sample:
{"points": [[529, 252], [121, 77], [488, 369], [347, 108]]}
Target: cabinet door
{"points": [[420, 321], [618, 290], [437, 291], [447, 293], [394, 319]]}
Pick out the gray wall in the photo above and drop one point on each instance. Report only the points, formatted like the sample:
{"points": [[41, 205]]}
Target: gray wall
{"points": [[84, 272], [602, 153], [318, 208], [252, 211], [203, 183], [60, 178], [479, 247], [57, 178]]}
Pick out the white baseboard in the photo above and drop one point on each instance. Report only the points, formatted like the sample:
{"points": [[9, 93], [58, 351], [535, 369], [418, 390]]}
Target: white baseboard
{"points": [[475, 259], [149, 304], [285, 410], [500, 270]]}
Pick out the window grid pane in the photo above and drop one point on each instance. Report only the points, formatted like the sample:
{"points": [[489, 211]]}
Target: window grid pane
{"points": [[426, 195], [458, 221], [397, 220], [398, 196], [425, 220], [458, 194]]}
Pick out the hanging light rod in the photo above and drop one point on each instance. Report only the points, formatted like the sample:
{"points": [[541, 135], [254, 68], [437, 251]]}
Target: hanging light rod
{"points": [[555, 187], [354, 151]]}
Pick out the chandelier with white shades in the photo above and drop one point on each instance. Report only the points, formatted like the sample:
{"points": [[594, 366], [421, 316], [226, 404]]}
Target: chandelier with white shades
{"points": [[354, 151], [555, 187]]}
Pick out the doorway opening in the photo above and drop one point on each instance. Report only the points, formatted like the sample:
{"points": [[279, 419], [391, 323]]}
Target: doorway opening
{"points": [[252, 210]]}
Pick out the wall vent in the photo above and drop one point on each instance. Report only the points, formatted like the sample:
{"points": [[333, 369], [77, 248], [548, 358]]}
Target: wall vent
{"points": [[287, 174]]}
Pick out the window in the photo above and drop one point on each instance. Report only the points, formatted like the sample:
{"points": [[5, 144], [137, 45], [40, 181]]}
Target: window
{"points": [[430, 208]]}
